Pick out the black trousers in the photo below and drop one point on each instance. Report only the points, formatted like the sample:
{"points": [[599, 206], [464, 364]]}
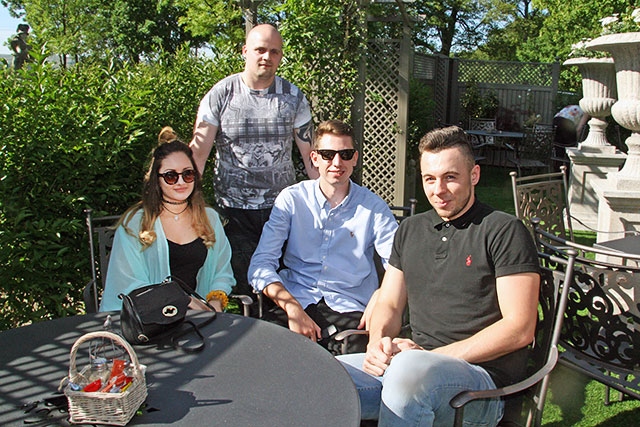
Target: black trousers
{"points": [[243, 228], [324, 316]]}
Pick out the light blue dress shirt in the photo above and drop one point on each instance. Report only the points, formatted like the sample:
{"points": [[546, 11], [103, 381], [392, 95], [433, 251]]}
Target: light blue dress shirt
{"points": [[329, 252]]}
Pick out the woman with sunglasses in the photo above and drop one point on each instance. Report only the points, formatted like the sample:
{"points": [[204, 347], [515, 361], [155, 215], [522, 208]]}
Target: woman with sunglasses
{"points": [[170, 232]]}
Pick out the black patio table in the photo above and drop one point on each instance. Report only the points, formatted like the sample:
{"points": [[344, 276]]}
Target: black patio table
{"points": [[492, 133], [251, 373], [489, 137]]}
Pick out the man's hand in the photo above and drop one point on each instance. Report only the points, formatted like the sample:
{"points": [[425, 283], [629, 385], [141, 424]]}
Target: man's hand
{"points": [[368, 312], [405, 344], [299, 320], [301, 323], [379, 356]]}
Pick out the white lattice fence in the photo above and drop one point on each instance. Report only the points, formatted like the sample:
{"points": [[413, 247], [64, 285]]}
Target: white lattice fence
{"points": [[382, 159]]}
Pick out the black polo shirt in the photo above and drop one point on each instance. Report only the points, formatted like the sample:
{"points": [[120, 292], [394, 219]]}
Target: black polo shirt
{"points": [[450, 271]]}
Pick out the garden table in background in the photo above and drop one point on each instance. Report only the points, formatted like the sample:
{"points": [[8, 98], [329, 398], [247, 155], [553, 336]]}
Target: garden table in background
{"points": [[497, 140], [251, 373]]}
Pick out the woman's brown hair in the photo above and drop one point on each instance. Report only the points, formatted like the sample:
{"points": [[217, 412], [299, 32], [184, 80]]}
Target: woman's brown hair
{"points": [[151, 203]]}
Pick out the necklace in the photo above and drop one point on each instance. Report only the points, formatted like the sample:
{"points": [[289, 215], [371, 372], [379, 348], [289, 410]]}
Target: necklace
{"points": [[176, 215], [175, 203]]}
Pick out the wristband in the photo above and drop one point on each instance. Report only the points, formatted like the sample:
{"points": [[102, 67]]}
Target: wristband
{"points": [[220, 296]]}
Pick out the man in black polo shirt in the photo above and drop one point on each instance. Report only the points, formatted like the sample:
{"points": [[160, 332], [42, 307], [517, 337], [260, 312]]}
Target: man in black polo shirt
{"points": [[469, 275]]}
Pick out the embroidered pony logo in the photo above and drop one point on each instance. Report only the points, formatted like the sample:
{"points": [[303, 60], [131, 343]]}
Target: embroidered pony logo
{"points": [[468, 262]]}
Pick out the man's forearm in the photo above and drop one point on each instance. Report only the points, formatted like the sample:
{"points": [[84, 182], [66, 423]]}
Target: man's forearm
{"points": [[202, 143], [279, 295], [384, 323]]}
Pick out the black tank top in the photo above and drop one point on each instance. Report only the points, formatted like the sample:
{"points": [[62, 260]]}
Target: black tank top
{"points": [[186, 260]]}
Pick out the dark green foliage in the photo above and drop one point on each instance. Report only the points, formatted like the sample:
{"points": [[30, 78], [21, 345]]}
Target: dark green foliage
{"points": [[475, 104], [72, 139], [421, 107]]}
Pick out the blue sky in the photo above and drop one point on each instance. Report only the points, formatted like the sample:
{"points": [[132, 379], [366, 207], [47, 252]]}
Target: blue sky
{"points": [[8, 27]]}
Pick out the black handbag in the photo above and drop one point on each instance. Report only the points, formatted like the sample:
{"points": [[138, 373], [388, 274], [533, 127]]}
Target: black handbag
{"points": [[158, 312]]}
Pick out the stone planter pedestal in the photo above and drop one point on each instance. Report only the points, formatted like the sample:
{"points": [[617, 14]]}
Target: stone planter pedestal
{"points": [[599, 95], [618, 211], [595, 157], [625, 50], [588, 168], [619, 195]]}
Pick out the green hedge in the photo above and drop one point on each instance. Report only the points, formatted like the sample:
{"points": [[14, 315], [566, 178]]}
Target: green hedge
{"points": [[73, 139]]}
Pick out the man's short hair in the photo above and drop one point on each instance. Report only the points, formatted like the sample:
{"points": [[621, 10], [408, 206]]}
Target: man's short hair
{"points": [[445, 138], [333, 127]]}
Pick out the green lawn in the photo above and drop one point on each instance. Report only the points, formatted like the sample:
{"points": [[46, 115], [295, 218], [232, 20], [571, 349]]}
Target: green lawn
{"points": [[573, 399]]}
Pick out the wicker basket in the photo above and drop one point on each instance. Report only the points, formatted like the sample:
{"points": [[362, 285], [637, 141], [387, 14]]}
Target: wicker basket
{"points": [[105, 408]]}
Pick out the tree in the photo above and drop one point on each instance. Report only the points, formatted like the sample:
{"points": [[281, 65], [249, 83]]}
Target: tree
{"points": [[522, 23], [103, 29], [564, 26]]}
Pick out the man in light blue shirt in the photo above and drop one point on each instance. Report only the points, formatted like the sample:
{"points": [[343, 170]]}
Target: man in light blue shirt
{"points": [[331, 227]]}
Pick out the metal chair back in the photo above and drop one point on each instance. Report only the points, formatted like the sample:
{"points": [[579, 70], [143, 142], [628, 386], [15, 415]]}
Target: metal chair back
{"points": [[544, 196], [100, 231], [534, 151], [601, 332], [482, 124]]}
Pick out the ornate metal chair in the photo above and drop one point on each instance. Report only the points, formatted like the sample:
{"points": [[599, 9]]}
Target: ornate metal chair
{"points": [[402, 212], [102, 229], [535, 149], [601, 332], [484, 146], [543, 196]]}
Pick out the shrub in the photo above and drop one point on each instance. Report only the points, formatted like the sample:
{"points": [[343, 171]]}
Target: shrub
{"points": [[73, 139]]}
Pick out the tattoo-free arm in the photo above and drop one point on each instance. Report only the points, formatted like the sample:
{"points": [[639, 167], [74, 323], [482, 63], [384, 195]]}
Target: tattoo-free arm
{"points": [[204, 135], [386, 322], [518, 300], [299, 320]]}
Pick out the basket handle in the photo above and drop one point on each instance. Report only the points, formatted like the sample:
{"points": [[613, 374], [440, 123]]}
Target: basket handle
{"points": [[102, 334]]}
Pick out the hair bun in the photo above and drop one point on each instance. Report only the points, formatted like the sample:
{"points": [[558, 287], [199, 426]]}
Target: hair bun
{"points": [[167, 134]]}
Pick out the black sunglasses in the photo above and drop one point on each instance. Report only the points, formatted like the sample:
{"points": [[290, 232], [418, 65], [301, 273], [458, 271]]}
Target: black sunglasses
{"points": [[346, 154], [171, 177]]}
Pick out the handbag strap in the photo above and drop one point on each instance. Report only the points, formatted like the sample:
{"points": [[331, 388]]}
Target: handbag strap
{"points": [[190, 292], [193, 326]]}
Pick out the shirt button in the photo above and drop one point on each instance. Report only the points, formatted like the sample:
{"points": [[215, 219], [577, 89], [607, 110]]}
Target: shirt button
{"points": [[444, 239], [447, 224]]}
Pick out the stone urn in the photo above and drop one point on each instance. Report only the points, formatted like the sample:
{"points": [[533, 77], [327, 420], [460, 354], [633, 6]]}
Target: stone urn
{"points": [[624, 48], [599, 95]]}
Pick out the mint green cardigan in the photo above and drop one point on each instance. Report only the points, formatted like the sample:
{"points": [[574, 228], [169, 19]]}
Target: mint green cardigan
{"points": [[130, 267]]}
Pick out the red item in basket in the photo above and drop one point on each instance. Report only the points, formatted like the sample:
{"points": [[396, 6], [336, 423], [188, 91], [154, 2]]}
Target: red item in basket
{"points": [[118, 367], [94, 386]]}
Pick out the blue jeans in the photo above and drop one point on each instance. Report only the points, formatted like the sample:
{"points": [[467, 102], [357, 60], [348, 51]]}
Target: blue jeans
{"points": [[416, 390]]}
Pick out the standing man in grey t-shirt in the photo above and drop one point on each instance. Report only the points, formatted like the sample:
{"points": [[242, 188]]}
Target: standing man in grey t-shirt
{"points": [[252, 118]]}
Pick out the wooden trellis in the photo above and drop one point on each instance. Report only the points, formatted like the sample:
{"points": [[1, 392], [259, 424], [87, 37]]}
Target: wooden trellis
{"points": [[386, 99]]}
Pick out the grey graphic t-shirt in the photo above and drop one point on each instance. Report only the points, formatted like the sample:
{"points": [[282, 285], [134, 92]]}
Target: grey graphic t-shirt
{"points": [[254, 140]]}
